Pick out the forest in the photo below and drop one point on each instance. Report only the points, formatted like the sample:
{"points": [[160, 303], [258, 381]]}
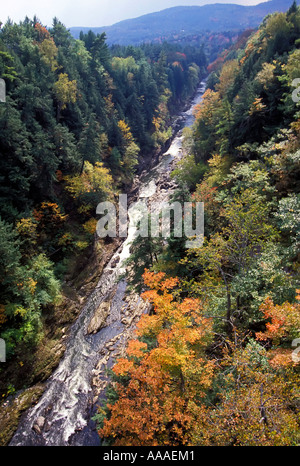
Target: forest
{"points": [[215, 361], [78, 121]]}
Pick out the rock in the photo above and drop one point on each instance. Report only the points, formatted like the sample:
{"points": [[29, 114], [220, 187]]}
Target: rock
{"points": [[109, 344], [127, 322], [39, 424], [115, 262], [164, 187], [98, 320]]}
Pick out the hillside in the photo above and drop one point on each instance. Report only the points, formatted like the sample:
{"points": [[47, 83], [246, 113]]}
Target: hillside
{"points": [[78, 124], [175, 22], [214, 363]]}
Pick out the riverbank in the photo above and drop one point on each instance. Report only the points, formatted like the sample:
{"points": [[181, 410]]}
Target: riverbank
{"points": [[35, 368]]}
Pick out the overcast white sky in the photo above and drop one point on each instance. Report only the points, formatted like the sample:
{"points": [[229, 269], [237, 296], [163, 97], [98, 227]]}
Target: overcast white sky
{"points": [[93, 12]]}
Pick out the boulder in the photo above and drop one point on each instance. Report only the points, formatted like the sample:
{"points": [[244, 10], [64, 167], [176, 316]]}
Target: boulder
{"points": [[39, 424], [98, 321]]}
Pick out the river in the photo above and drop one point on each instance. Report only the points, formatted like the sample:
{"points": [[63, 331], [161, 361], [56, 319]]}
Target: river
{"points": [[63, 415]]}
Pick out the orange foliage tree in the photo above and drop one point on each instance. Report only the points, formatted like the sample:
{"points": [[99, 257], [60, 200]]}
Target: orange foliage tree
{"points": [[45, 227], [164, 378], [284, 320], [170, 393], [49, 216]]}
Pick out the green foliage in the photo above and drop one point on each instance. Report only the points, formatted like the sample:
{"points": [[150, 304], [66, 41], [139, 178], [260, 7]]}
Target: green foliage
{"points": [[77, 120], [25, 290], [288, 216], [255, 86], [188, 172], [94, 185], [7, 71], [144, 254], [241, 158], [9, 256]]}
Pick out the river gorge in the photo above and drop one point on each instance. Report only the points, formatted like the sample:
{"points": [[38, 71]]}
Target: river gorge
{"points": [[63, 414]]}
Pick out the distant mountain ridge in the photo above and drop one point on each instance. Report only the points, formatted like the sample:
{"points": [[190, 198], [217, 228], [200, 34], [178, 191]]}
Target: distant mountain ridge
{"points": [[179, 20]]}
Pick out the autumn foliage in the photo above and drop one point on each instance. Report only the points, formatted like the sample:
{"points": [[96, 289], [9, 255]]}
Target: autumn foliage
{"points": [[282, 320], [217, 360], [166, 380], [170, 392]]}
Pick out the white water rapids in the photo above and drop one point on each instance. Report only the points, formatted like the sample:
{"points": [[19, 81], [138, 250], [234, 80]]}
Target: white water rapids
{"points": [[63, 413]]}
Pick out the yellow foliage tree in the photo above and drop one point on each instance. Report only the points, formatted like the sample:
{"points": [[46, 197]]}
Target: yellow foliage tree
{"points": [[91, 187], [65, 92], [257, 406], [130, 151], [227, 76], [49, 51]]}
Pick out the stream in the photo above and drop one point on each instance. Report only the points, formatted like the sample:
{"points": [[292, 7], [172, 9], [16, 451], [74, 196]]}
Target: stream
{"points": [[63, 414]]}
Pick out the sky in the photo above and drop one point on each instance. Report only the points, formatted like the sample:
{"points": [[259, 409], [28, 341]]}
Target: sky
{"points": [[91, 13]]}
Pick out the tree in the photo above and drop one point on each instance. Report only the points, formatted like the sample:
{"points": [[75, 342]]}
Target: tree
{"points": [[232, 251], [160, 399], [49, 225], [66, 149], [82, 56], [27, 230], [99, 50], [94, 185], [35, 288], [130, 161], [144, 254], [49, 52], [90, 144], [10, 257], [17, 164], [60, 34], [130, 152], [293, 9], [284, 318], [227, 75], [278, 24], [256, 406], [266, 75], [7, 70], [188, 172], [207, 117], [289, 222], [65, 92], [292, 67]]}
